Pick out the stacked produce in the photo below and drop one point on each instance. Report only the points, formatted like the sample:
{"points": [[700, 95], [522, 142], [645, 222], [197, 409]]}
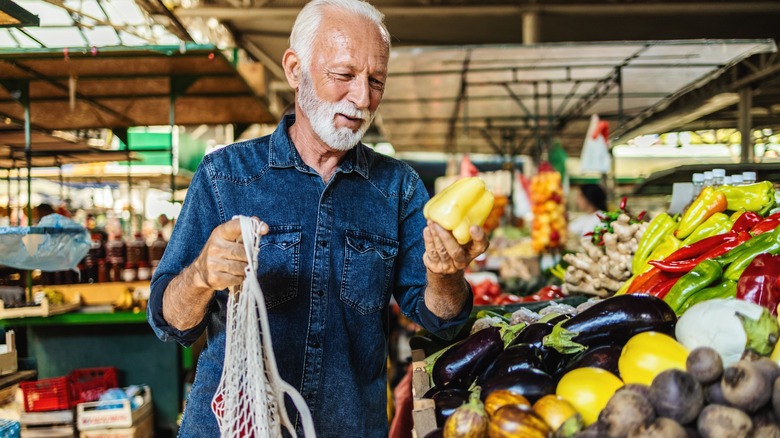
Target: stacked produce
{"points": [[606, 262], [528, 356], [548, 230]]}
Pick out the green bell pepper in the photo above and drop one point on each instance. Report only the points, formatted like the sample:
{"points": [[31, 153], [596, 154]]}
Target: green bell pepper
{"points": [[661, 226], [752, 197], [703, 275], [726, 289], [718, 223]]}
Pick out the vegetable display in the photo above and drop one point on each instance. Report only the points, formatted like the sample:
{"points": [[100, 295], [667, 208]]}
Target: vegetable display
{"points": [[548, 230], [687, 346]]}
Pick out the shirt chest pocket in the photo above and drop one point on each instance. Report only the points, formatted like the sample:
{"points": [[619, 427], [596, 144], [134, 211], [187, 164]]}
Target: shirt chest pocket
{"points": [[278, 262], [368, 270]]}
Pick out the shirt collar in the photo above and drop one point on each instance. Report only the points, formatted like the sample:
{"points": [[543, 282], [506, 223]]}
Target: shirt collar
{"points": [[282, 152]]}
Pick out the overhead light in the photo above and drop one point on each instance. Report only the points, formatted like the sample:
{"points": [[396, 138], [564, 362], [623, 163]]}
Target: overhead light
{"points": [[13, 15]]}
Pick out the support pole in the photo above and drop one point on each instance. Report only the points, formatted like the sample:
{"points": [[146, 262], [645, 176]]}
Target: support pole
{"points": [[178, 85], [746, 124], [531, 29]]}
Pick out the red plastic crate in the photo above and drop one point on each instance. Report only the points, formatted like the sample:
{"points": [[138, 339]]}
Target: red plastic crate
{"points": [[87, 384], [46, 394]]}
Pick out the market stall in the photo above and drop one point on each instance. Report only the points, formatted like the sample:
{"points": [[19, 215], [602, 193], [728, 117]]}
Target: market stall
{"points": [[683, 339]]}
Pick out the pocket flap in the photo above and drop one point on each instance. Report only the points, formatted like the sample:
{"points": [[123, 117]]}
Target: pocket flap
{"points": [[363, 242]]}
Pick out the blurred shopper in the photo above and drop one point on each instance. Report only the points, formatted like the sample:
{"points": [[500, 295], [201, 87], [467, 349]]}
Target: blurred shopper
{"points": [[591, 200], [344, 231]]}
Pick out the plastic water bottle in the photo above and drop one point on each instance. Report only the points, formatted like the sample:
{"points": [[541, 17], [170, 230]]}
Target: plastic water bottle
{"points": [[707, 178], [698, 184], [727, 181], [736, 180], [748, 178], [718, 176]]}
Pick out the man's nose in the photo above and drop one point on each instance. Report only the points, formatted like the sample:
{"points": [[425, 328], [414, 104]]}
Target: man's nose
{"points": [[360, 92]]}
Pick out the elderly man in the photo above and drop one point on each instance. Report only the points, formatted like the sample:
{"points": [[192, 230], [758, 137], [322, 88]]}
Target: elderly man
{"points": [[343, 228]]}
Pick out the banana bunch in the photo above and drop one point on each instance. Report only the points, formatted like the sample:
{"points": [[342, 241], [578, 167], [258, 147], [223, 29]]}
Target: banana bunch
{"points": [[125, 301], [55, 297]]}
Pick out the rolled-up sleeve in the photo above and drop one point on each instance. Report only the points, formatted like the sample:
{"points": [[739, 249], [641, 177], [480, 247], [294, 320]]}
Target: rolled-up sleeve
{"points": [[412, 274], [198, 217]]}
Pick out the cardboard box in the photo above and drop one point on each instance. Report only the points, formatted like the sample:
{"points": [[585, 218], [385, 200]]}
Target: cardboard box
{"points": [[9, 360]]}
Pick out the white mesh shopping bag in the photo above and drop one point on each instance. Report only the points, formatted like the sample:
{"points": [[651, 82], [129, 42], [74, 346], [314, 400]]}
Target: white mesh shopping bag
{"points": [[249, 401]]}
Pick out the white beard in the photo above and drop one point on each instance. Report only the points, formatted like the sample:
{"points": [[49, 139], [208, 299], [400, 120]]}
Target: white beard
{"points": [[322, 114]]}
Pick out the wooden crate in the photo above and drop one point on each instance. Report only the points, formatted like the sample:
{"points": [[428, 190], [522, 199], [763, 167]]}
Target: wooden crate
{"points": [[95, 294], [8, 360], [47, 424], [424, 410], [45, 309], [144, 428]]}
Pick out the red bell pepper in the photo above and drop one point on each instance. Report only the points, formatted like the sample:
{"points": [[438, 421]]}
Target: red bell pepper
{"points": [[760, 282], [746, 221], [683, 266], [505, 298], [766, 225]]}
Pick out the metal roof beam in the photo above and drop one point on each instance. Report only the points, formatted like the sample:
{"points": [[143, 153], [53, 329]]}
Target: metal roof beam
{"points": [[698, 8]]}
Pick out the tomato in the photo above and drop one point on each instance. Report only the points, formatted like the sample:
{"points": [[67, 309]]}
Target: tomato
{"points": [[508, 299], [482, 300]]}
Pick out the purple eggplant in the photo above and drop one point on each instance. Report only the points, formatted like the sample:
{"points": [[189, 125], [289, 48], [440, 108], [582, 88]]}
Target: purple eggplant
{"points": [[612, 321], [603, 356], [464, 361], [447, 400], [511, 359], [531, 383], [533, 334], [435, 433]]}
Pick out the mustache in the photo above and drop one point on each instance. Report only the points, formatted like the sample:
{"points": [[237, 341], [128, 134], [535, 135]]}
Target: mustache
{"points": [[350, 110]]}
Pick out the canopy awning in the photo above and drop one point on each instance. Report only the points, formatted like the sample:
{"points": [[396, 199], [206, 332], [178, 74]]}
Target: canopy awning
{"points": [[120, 87], [49, 150], [512, 99]]}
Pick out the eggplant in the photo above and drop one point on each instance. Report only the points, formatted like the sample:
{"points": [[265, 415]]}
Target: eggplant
{"points": [[533, 334], [612, 322], [446, 401], [531, 383], [604, 357], [511, 359], [463, 362]]}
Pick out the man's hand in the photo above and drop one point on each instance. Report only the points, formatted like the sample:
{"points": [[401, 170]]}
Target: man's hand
{"points": [[222, 262], [444, 255]]}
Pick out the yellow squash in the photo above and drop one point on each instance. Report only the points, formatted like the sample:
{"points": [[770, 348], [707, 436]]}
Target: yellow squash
{"points": [[462, 204], [648, 354], [588, 390]]}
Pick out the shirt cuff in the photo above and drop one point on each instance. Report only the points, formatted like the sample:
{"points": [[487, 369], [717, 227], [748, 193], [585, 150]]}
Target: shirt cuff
{"points": [[444, 328], [163, 330]]}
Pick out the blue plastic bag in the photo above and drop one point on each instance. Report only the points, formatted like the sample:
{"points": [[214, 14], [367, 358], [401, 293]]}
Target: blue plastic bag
{"points": [[55, 244]]}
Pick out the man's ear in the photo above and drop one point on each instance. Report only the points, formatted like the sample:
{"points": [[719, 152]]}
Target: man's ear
{"points": [[292, 68]]}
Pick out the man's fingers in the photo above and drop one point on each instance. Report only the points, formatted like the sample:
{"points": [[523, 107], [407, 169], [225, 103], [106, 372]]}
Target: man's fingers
{"points": [[230, 230]]}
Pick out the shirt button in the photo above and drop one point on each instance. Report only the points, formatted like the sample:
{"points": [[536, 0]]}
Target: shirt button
{"points": [[320, 293], [323, 243], [316, 345]]}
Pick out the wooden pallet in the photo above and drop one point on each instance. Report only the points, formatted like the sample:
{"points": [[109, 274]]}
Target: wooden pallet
{"points": [[54, 424]]}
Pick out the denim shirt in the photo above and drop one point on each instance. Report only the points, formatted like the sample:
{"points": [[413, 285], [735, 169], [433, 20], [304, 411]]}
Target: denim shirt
{"points": [[334, 254]]}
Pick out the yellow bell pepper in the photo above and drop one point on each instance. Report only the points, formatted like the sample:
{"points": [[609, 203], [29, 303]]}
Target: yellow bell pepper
{"points": [[647, 355], [462, 204]]}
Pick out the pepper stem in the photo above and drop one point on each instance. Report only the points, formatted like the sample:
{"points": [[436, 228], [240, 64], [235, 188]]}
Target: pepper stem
{"points": [[561, 340]]}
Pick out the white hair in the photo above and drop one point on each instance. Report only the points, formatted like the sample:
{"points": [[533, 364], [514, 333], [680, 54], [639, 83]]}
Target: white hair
{"points": [[304, 31]]}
